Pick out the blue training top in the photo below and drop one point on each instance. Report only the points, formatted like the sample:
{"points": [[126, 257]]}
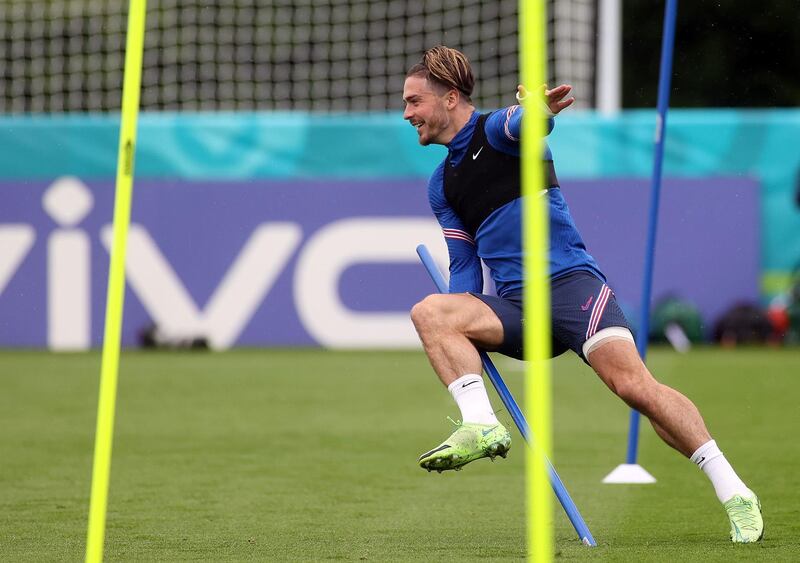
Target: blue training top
{"points": [[498, 238]]}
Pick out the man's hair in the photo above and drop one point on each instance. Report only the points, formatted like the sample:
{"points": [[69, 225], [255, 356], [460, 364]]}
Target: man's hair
{"points": [[446, 68]]}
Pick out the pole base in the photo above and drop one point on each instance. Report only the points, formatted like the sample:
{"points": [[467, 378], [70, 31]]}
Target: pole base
{"points": [[629, 473]]}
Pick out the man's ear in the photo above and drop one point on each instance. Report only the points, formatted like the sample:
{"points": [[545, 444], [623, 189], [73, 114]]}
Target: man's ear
{"points": [[453, 96]]}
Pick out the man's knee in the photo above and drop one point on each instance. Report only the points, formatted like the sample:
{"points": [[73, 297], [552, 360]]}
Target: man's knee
{"points": [[619, 366], [636, 387], [429, 312], [628, 388]]}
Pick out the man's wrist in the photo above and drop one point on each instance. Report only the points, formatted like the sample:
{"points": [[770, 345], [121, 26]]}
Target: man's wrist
{"points": [[542, 104]]}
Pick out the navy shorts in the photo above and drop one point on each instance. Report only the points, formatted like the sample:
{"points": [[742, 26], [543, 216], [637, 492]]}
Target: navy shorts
{"points": [[581, 306]]}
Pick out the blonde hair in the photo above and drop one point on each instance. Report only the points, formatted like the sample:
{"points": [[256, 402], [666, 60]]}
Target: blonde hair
{"points": [[446, 68]]}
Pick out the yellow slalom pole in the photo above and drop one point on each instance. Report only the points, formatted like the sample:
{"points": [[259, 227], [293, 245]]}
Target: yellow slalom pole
{"points": [[116, 282], [539, 509]]}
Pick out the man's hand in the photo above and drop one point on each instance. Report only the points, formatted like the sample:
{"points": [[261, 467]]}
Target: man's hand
{"points": [[555, 100]]}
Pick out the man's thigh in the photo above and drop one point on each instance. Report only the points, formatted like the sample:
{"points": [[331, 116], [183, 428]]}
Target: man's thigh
{"points": [[469, 316], [508, 311], [584, 309]]}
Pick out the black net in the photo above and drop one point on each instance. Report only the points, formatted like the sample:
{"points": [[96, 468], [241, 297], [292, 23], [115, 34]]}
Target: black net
{"points": [[320, 55]]}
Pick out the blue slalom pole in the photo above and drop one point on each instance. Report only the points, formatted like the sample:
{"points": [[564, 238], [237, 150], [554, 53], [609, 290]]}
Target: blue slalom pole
{"points": [[560, 490], [664, 82]]}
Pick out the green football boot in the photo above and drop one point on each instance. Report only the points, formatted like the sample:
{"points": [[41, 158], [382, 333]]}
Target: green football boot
{"points": [[468, 443], [747, 525]]}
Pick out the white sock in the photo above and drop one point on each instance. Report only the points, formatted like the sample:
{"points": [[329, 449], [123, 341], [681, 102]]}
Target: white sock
{"points": [[470, 395], [710, 459]]}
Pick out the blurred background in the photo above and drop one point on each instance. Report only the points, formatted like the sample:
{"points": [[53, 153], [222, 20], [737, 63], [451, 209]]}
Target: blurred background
{"points": [[279, 195]]}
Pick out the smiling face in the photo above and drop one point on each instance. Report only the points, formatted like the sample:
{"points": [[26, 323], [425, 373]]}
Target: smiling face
{"points": [[429, 110]]}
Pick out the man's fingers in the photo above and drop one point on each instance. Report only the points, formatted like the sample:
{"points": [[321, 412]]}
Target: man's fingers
{"points": [[565, 103], [559, 92]]}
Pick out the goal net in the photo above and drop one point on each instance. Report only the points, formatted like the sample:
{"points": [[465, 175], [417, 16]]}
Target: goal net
{"points": [[319, 55]]}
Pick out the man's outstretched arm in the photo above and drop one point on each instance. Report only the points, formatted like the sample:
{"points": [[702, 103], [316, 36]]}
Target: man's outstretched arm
{"points": [[503, 128]]}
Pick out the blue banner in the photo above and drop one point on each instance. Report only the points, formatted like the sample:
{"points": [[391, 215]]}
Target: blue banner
{"points": [[307, 262]]}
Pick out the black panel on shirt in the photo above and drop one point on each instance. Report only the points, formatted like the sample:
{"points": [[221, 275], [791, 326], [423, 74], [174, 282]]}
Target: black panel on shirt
{"points": [[484, 181]]}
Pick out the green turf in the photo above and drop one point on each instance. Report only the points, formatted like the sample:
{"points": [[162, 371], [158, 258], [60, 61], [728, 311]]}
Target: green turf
{"points": [[309, 455]]}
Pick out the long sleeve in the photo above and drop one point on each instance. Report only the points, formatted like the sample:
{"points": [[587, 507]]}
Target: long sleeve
{"points": [[503, 130], [466, 273]]}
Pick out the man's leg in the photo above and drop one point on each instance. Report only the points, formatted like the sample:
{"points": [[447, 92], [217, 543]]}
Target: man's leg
{"points": [[674, 417], [678, 422], [450, 327]]}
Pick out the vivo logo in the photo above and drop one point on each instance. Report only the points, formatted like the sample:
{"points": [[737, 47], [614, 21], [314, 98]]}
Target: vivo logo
{"points": [[322, 258]]}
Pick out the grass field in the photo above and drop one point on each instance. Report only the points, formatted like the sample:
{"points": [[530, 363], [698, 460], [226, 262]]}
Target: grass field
{"points": [[309, 455]]}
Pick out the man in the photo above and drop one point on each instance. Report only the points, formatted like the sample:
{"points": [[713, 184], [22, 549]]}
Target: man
{"points": [[475, 195]]}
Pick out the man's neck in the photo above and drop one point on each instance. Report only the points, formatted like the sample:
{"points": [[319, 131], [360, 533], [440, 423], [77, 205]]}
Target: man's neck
{"points": [[460, 119]]}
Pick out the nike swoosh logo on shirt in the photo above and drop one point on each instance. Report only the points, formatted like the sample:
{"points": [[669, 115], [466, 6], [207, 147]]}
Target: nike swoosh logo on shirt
{"points": [[474, 156]]}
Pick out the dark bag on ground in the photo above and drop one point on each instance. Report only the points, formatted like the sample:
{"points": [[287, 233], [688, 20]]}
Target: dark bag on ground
{"points": [[744, 323]]}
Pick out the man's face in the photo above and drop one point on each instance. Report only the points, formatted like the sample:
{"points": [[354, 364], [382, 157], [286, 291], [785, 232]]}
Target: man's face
{"points": [[426, 110]]}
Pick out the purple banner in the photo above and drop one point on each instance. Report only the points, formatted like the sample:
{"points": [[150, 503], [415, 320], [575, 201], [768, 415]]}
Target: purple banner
{"points": [[707, 244], [268, 263]]}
